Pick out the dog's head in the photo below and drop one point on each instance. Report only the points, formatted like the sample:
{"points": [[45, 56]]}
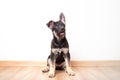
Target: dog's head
{"points": [[58, 27]]}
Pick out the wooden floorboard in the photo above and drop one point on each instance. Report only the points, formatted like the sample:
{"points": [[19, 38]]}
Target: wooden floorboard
{"points": [[73, 63], [82, 73]]}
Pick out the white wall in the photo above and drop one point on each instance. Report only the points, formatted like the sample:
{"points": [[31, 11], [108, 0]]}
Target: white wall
{"points": [[93, 28]]}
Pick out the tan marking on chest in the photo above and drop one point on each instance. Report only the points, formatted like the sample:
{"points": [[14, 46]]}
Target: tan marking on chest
{"points": [[56, 50]]}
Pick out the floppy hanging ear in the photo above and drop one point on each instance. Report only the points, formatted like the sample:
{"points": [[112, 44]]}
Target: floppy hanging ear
{"points": [[62, 18], [50, 24]]}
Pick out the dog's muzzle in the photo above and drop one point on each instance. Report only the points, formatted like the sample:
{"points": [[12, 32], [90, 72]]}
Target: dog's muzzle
{"points": [[62, 33]]}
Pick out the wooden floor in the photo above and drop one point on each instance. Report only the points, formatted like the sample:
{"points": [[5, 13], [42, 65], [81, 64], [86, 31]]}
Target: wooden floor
{"points": [[82, 73]]}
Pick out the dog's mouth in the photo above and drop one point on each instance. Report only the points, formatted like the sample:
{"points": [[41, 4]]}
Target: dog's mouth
{"points": [[62, 34]]}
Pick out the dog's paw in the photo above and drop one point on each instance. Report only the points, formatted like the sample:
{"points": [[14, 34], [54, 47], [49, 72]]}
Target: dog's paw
{"points": [[70, 72], [51, 73], [45, 69]]}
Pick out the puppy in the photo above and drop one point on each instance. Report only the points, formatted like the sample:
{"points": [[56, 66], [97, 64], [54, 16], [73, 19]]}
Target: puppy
{"points": [[59, 58]]}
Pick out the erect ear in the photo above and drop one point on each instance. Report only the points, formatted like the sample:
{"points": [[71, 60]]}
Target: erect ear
{"points": [[50, 24], [62, 18]]}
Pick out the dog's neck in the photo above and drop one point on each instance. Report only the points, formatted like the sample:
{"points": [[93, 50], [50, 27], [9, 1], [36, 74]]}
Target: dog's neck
{"points": [[59, 42]]}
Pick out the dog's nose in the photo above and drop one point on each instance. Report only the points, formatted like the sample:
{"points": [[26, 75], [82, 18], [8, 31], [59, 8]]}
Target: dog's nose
{"points": [[63, 29]]}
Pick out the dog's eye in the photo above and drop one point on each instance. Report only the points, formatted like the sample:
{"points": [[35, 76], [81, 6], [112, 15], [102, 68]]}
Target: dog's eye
{"points": [[63, 25]]}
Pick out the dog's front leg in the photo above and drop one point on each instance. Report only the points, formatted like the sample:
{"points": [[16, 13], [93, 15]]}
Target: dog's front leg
{"points": [[52, 65], [68, 65]]}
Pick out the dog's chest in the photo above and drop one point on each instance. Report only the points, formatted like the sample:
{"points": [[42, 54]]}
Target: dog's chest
{"points": [[59, 50]]}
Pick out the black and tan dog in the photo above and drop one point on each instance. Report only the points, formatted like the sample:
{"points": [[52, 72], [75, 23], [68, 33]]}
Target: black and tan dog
{"points": [[59, 58]]}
